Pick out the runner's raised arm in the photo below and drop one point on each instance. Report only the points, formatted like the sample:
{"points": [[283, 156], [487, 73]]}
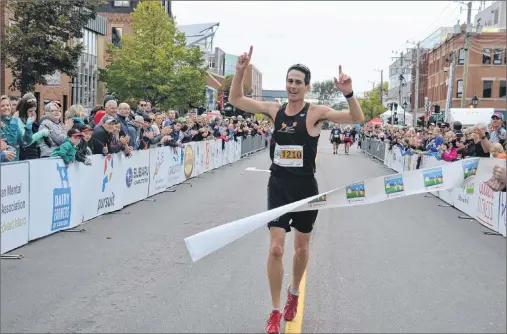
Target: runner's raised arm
{"points": [[238, 99]]}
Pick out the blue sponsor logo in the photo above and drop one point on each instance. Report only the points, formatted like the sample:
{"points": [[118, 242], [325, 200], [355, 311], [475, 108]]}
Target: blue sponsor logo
{"points": [[129, 177], [62, 200]]}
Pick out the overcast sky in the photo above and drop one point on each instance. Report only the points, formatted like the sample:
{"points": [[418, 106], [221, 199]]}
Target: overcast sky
{"points": [[360, 36]]}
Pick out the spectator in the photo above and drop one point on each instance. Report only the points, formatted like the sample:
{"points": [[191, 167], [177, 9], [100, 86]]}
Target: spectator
{"points": [[67, 150], [497, 151], [76, 113], [57, 130], [103, 137], [27, 108], [12, 132], [84, 149]]}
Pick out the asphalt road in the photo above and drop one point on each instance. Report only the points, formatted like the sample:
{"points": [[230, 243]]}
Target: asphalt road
{"points": [[404, 265]]}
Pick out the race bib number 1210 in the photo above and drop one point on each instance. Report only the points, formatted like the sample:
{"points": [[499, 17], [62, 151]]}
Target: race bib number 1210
{"points": [[289, 156]]}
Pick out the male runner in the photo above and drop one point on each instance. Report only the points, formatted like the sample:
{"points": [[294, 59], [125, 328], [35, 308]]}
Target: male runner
{"points": [[347, 139], [335, 137], [293, 151]]}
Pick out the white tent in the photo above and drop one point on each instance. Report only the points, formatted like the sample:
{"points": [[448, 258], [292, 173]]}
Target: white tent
{"points": [[471, 116]]}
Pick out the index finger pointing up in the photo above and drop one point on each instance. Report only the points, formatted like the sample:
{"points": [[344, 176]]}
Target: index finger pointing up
{"points": [[250, 52]]}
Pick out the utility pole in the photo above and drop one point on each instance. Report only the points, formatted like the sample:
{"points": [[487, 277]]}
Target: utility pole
{"points": [[416, 104], [467, 47], [382, 87], [450, 85]]}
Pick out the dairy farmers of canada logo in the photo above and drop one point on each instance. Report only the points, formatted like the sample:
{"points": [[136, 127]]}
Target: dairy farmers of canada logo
{"points": [[355, 192], [393, 185], [108, 171], [433, 178], [318, 202], [62, 200], [188, 165]]}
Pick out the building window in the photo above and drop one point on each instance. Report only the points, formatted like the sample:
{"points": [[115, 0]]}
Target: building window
{"points": [[459, 89], [497, 57], [502, 89], [461, 58], [486, 56], [116, 36], [121, 3], [487, 88]]}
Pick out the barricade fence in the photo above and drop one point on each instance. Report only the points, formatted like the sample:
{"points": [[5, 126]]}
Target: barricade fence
{"points": [[475, 198], [41, 197]]}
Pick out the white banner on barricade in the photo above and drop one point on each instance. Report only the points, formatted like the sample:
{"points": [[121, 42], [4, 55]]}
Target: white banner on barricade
{"points": [[465, 198], [208, 155], [488, 201], [176, 159], [105, 185], [57, 202], [199, 158], [136, 173], [502, 226], [189, 161], [159, 170], [15, 204]]}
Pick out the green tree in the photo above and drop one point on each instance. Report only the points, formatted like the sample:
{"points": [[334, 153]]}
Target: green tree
{"points": [[371, 103], [326, 91], [41, 39], [154, 63]]}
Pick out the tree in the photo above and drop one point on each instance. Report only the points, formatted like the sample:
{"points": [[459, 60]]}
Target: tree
{"points": [[155, 64], [326, 91], [371, 103], [42, 38]]}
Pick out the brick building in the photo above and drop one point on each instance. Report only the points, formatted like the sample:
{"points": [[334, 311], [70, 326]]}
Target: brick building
{"points": [[486, 70]]}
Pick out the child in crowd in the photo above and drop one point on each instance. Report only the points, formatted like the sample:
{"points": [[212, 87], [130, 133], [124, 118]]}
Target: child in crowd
{"points": [[84, 150], [67, 151], [497, 151]]}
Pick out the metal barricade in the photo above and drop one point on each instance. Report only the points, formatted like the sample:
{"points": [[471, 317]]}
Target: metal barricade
{"points": [[373, 147], [253, 144]]}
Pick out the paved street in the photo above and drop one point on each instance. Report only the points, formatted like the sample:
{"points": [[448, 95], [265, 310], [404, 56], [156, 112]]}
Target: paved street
{"points": [[404, 265]]}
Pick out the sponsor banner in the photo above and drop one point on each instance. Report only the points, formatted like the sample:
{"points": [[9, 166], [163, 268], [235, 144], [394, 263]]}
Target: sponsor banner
{"points": [[465, 198], [208, 155], [502, 222], [176, 159], [440, 178], [159, 170], [488, 202], [57, 203], [14, 204], [199, 158], [104, 186], [136, 176], [189, 169]]}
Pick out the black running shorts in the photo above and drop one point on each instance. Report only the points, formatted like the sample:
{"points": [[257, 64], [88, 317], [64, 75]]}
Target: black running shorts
{"points": [[336, 140], [286, 190]]}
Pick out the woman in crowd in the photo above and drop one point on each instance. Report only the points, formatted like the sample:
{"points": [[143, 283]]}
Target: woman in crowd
{"points": [[11, 133], [27, 109], [57, 130]]}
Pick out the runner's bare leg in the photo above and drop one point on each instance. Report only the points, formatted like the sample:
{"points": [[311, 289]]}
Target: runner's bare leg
{"points": [[275, 264], [301, 253]]}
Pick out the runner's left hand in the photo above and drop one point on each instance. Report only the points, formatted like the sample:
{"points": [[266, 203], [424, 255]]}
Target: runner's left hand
{"points": [[343, 82]]}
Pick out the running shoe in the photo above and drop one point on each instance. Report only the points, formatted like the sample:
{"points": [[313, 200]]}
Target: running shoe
{"points": [[291, 308], [273, 325]]}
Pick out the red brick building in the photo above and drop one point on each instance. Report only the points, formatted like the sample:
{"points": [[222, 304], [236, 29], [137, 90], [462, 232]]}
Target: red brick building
{"points": [[486, 71]]}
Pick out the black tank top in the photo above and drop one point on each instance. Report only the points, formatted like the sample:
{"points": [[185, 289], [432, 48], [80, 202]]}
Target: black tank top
{"points": [[291, 130]]}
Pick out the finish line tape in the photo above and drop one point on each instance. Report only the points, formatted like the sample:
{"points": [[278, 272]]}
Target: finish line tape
{"points": [[374, 190]]}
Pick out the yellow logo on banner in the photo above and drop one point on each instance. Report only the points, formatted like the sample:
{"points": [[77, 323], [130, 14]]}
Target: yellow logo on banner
{"points": [[188, 164]]}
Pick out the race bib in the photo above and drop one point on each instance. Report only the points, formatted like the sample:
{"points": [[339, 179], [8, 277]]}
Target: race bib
{"points": [[337, 135], [288, 155]]}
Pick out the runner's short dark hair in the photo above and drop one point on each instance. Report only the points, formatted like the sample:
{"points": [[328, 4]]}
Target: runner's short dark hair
{"points": [[302, 68]]}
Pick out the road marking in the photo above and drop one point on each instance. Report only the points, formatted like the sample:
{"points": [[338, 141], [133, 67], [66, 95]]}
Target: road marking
{"points": [[254, 169], [295, 326]]}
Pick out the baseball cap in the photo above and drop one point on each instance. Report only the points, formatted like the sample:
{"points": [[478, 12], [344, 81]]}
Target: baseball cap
{"points": [[498, 115], [74, 133], [109, 120]]}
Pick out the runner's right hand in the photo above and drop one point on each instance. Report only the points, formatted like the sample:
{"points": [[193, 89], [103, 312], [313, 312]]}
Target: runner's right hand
{"points": [[244, 60]]}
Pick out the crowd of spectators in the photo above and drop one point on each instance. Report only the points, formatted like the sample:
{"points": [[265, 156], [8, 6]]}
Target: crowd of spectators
{"points": [[73, 135], [449, 142]]}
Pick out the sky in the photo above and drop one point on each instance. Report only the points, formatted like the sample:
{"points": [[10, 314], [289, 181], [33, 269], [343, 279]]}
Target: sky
{"points": [[362, 36]]}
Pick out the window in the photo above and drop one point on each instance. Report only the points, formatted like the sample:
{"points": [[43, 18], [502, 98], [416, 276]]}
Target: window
{"points": [[487, 88], [497, 57], [459, 89], [121, 3], [116, 36], [486, 56], [502, 89], [461, 58]]}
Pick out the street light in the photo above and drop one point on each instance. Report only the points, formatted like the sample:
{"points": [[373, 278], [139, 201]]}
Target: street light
{"points": [[475, 101], [405, 105]]}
